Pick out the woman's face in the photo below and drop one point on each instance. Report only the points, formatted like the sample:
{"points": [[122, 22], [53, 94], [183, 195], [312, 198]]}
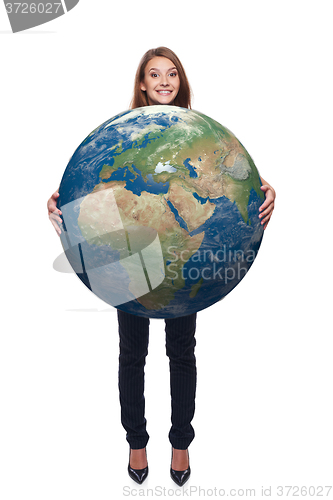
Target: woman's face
{"points": [[161, 81]]}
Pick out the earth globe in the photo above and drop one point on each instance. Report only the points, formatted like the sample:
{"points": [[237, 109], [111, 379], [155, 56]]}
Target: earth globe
{"points": [[160, 210]]}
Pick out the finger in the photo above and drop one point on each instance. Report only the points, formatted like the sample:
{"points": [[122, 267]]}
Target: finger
{"points": [[266, 188], [266, 213], [266, 224], [55, 217], [266, 220], [56, 220], [56, 226], [269, 199], [264, 205], [54, 212], [268, 210], [52, 202], [52, 208], [269, 193]]}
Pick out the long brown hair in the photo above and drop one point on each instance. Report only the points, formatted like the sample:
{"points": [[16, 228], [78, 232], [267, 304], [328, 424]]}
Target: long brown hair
{"points": [[183, 98]]}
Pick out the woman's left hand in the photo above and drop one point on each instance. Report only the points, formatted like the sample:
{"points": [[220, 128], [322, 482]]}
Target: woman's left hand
{"points": [[267, 207]]}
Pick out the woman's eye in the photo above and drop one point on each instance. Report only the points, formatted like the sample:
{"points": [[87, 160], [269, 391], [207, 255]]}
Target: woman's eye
{"points": [[173, 74], [154, 75]]}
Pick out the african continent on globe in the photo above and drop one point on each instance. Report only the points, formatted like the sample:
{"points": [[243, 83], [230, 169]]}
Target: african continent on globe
{"points": [[160, 207]]}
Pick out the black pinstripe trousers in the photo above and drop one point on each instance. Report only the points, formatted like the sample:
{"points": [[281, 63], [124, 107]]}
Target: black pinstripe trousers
{"points": [[133, 348]]}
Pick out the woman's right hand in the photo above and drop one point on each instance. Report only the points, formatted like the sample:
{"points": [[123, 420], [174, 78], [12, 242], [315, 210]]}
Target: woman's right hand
{"points": [[54, 211]]}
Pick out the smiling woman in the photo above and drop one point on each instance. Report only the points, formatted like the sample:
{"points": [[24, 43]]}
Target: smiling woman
{"points": [[161, 79]]}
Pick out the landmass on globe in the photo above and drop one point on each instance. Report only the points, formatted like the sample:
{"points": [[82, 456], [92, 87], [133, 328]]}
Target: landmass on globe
{"points": [[174, 170]]}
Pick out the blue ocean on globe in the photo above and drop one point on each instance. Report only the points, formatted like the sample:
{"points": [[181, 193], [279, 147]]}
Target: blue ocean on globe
{"points": [[160, 208]]}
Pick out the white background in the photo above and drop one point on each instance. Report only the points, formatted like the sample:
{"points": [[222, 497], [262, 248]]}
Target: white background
{"points": [[264, 354]]}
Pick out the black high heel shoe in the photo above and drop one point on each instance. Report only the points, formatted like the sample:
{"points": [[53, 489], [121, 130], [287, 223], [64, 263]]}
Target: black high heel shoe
{"points": [[138, 475], [180, 476]]}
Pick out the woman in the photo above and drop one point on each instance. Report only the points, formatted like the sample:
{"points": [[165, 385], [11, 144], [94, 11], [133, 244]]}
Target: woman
{"points": [[160, 79]]}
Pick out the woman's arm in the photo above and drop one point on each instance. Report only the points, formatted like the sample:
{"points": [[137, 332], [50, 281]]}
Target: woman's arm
{"points": [[267, 207]]}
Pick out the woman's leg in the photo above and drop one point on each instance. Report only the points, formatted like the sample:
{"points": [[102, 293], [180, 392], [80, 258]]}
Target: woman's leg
{"points": [[133, 348], [180, 344]]}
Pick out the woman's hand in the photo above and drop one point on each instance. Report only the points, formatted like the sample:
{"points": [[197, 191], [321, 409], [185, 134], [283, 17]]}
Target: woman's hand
{"points": [[267, 207], [54, 212]]}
